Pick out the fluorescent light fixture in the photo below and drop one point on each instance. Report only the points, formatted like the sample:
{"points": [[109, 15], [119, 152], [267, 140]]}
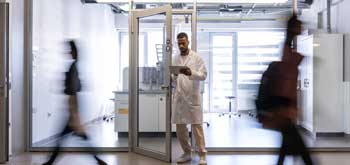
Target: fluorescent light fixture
{"points": [[191, 1]]}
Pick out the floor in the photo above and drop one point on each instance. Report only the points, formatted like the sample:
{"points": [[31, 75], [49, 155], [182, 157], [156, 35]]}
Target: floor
{"points": [[237, 131], [124, 158], [223, 131]]}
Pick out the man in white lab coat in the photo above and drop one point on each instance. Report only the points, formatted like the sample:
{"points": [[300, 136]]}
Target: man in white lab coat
{"points": [[187, 99]]}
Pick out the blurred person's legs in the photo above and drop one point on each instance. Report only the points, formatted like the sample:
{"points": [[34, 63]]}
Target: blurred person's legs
{"points": [[73, 126], [293, 144], [74, 117], [182, 135], [67, 129]]}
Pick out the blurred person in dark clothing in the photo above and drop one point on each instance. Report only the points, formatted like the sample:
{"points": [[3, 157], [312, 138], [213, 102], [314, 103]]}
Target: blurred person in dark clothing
{"points": [[277, 98], [72, 87]]}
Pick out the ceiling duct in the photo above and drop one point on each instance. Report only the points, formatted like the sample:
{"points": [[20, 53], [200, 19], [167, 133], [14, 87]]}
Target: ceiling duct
{"points": [[228, 8], [140, 6], [309, 2], [117, 9], [178, 5], [88, 1]]}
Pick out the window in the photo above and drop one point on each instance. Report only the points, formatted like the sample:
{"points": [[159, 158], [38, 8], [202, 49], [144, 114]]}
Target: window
{"points": [[222, 70], [236, 63], [256, 50]]}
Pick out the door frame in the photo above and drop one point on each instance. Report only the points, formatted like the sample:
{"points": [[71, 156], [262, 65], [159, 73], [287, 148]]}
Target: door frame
{"points": [[133, 81], [4, 80]]}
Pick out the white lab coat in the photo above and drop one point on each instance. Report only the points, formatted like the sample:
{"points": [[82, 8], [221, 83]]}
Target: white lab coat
{"points": [[187, 98]]}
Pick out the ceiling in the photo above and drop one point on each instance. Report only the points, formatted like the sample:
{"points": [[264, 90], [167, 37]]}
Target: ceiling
{"points": [[226, 9]]}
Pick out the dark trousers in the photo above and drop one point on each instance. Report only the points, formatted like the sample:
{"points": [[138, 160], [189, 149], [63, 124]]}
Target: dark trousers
{"points": [[293, 144]]}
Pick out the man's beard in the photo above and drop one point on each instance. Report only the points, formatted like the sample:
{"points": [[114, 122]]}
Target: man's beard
{"points": [[183, 51]]}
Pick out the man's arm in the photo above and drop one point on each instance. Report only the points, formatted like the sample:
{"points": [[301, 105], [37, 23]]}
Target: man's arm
{"points": [[199, 73]]}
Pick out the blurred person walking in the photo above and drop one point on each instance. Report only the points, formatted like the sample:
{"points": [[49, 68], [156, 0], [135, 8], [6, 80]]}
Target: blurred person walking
{"points": [[277, 98], [72, 87]]}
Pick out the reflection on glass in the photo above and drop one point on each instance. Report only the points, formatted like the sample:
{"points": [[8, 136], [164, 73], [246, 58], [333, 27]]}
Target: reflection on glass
{"points": [[151, 73], [98, 67], [236, 61], [254, 55]]}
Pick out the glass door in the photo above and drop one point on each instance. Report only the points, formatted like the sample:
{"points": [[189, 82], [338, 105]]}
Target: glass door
{"points": [[150, 95]]}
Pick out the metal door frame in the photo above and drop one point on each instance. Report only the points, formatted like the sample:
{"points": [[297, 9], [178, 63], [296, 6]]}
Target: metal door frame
{"points": [[4, 80], [133, 81]]}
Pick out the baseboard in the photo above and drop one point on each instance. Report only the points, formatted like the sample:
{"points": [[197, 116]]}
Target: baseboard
{"points": [[149, 134], [93, 120], [305, 130], [306, 126], [56, 136], [331, 134], [46, 140]]}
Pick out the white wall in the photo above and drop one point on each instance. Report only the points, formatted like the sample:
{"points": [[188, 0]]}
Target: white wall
{"points": [[340, 24], [327, 82], [339, 14], [93, 28]]}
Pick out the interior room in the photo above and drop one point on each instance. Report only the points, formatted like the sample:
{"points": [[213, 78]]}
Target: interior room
{"points": [[126, 51]]}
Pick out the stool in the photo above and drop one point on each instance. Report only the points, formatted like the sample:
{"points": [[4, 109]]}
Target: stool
{"points": [[229, 104]]}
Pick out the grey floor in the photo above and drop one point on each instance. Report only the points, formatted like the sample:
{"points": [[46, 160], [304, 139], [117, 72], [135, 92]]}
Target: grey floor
{"points": [[125, 158], [241, 132]]}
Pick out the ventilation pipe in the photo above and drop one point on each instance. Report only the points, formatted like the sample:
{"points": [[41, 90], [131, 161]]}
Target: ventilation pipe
{"points": [[295, 7], [329, 27]]}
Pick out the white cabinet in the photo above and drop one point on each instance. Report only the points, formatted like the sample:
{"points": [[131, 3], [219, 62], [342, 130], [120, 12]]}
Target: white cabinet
{"points": [[148, 112], [152, 112], [121, 104], [321, 80], [305, 92], [162, 109]]}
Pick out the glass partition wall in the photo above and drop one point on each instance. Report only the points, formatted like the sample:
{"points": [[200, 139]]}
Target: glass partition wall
{"points": [[236, 47], [102, 72]]}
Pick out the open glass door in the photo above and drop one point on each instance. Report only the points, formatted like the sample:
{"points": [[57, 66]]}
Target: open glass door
{"points": [[4, 74], [150, 95]]}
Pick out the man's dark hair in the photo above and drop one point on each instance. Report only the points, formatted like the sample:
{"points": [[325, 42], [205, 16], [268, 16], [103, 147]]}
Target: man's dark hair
{"points": [[182, 35]]}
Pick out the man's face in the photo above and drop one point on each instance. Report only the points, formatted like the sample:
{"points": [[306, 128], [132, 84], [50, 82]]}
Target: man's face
{"points": [[183, 44]]}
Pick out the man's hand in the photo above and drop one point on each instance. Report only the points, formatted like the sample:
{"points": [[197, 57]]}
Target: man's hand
{"points": [[186, 71]]}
